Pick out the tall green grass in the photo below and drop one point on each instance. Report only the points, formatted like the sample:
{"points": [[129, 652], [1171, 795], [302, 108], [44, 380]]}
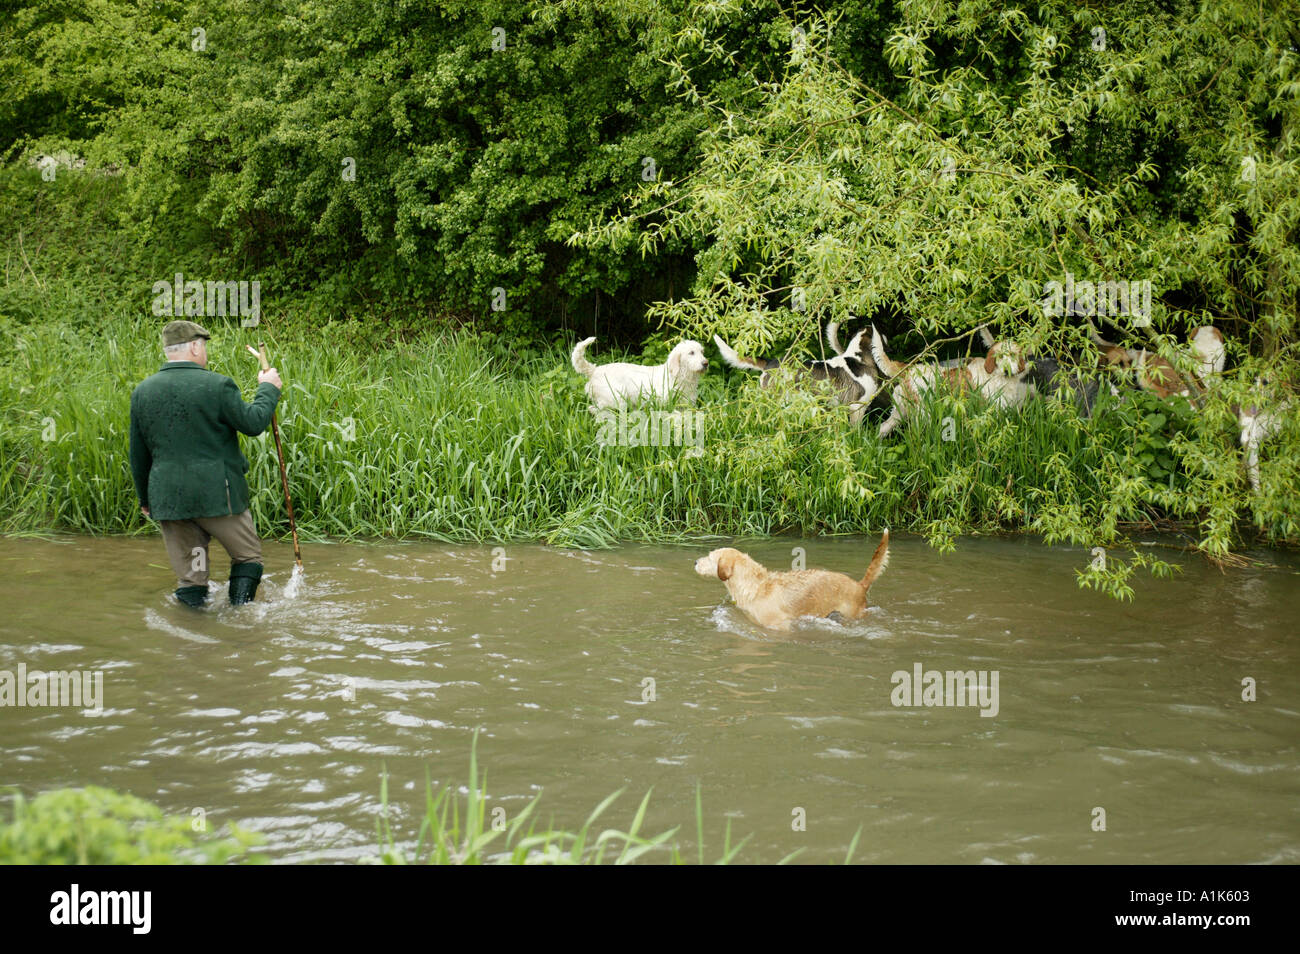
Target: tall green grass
{"points": [[462, 438], [447, 836]]}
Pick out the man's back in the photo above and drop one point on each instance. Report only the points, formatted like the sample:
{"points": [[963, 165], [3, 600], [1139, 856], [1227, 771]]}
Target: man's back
{"points": [[184, 453]]}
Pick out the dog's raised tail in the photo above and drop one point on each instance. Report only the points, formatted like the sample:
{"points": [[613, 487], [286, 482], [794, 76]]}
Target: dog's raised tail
{"points": [[854, 350], [883, 362], [579, 358], [833, 337], [737, 361], [879, 561]]}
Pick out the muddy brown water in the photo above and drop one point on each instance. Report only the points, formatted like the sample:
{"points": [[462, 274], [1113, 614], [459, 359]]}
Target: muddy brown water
{"points": [[281, 715]]}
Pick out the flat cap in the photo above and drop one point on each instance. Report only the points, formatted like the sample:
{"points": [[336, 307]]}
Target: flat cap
{"points": [[179, 332]]}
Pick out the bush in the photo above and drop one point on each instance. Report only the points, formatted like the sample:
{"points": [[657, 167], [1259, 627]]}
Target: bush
{"points": [[98, 826]]}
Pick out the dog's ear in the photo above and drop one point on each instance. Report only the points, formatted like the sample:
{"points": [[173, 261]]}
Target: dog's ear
{"points": [[991, 361], [726, 563], [674, 362]]}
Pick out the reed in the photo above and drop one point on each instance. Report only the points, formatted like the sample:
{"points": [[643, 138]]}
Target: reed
{"points": [[447, 836]]}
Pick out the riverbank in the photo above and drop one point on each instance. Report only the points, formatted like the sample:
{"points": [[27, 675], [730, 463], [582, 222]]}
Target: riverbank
{"points": [[466, 438]]}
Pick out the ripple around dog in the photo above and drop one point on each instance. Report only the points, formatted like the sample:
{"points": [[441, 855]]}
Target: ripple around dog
{"points": [[727, 619]]}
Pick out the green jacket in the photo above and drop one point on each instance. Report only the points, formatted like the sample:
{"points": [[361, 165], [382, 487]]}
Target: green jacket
{"points": [[184, 453]]}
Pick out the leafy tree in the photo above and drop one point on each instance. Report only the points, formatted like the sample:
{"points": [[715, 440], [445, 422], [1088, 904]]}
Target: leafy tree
{"points": [[955, 202]]}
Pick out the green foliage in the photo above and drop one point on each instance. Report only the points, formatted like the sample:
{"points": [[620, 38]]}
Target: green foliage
{"points": [[70, 70], [959, 198], [937, 162], [350, 153], [1154, 426], [942, 156], [445, 838], [97, 826], [1023, 146]]}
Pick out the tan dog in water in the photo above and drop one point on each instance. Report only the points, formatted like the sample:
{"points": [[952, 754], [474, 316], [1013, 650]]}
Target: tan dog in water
{"points": [[775, 600]]}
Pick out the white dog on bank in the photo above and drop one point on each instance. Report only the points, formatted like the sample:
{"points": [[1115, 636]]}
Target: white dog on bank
{"points": [[622, 385], [1259, 421]]}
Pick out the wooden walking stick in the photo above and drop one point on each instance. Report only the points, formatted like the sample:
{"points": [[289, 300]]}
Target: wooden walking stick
{"points": [[260, 354]]}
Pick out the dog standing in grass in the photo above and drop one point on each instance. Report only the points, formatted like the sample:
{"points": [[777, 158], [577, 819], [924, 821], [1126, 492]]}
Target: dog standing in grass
{"points": [[621, 384], [1260, 420], [850, 371], [1154, 373], [775, 600], [1000, 377]]}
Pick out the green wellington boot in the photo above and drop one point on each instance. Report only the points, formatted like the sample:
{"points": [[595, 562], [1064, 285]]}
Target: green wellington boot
{"points": [[195, 596], [244, 578]]}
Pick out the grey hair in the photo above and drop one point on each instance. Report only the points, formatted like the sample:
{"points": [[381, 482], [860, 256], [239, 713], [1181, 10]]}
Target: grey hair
{"points": [[170, 350]]}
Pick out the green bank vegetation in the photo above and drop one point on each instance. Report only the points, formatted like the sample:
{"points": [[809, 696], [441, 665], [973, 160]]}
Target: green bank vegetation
{"points": [[929, 165], [468, 438]]}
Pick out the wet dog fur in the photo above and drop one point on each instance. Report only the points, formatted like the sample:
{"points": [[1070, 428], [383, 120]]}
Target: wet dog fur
{"points": [[775, 599]]}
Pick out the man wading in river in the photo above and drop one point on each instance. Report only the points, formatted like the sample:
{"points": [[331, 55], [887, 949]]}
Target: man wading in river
{"points": [[189, 473]]}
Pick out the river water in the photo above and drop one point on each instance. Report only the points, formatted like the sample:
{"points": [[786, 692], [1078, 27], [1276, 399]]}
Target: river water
{"points": [[593, 671]]}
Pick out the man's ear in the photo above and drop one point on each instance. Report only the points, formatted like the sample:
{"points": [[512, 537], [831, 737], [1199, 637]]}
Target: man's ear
{"points": [[725, 565]]}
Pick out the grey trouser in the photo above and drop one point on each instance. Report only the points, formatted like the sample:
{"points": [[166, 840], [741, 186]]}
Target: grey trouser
{"points": [[187, 544]]}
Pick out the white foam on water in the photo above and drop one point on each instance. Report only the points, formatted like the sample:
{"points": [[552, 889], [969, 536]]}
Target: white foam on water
{"points": [[295, 583], [727, 619], [155, 620], [862, 627]]}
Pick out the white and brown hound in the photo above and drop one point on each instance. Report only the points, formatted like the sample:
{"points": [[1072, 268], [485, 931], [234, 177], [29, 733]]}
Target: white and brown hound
{"points": [[1000, 377]]}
